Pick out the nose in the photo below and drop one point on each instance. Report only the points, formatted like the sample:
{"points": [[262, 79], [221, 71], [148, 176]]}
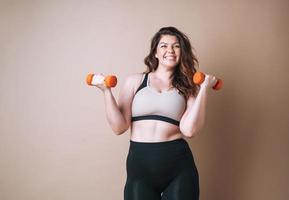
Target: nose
{"points": [[171, 49]]}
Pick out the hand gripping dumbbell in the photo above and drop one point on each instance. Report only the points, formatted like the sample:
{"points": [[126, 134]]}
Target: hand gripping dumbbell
{"points": [[95, 79], [199, 77]]}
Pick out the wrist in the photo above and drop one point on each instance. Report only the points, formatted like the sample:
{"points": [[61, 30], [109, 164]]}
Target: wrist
{"points": [[204, 87], [106, 91]]}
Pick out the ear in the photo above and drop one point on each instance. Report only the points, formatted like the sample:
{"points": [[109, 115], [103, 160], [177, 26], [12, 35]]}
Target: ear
{"points": [[156, 56]]}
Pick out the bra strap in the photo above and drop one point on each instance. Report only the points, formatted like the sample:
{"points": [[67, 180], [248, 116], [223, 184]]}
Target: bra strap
{"points": [[143, 84]]}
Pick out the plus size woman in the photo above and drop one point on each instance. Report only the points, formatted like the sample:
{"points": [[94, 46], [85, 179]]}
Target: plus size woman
{"points": [[161, 107]]}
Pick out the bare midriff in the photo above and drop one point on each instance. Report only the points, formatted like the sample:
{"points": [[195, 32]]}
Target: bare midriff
{"points": [[154, 131]]}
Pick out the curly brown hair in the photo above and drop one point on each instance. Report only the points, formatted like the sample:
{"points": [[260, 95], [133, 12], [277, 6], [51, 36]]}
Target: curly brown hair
{"points": [[183, 74]]}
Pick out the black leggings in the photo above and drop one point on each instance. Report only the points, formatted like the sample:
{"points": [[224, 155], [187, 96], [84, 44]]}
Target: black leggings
{"points": [[161, 171]]}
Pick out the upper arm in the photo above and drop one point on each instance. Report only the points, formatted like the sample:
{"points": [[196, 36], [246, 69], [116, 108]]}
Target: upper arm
{"points": [[126, 96], [189, 104]]}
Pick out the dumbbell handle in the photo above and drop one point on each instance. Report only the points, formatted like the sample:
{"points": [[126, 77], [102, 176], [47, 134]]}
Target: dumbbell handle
{"points": [[108, 81], [199, 78]]}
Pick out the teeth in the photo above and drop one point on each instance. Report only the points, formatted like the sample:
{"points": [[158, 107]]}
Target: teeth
{"points": [[170, 57]]}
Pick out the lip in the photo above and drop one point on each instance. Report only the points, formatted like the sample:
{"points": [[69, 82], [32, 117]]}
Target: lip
{"points": [[170, 57]]}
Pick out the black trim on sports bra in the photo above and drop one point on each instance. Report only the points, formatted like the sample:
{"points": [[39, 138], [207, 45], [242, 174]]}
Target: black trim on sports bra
{"points": [[156, 117], [143, 84]]}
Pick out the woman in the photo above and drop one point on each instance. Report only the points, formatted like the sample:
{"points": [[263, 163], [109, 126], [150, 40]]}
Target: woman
{"points": [[161, 106]]}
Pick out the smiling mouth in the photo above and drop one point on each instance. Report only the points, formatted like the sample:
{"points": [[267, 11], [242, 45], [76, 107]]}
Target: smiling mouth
{"points": [[170, 57]]}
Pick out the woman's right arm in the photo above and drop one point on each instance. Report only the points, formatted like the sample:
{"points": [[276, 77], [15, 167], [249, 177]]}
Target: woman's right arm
{"points": [[118, 114]]}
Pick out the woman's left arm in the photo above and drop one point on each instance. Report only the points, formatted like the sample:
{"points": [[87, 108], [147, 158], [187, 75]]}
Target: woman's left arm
{"points": [[193, 118]]}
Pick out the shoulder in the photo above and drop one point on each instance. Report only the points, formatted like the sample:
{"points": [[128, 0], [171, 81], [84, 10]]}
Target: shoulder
{"points": [[135, 77], [134, 80]]}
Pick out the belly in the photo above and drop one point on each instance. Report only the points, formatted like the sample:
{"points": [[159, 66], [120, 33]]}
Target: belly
{"points": [[154, 131]]}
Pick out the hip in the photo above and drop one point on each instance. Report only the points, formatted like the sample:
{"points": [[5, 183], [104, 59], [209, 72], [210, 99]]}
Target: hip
{"points": [[159, 157]]}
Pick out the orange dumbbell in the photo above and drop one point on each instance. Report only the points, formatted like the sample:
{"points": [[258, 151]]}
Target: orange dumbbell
{"points": [[108, 81], [199, 77]]}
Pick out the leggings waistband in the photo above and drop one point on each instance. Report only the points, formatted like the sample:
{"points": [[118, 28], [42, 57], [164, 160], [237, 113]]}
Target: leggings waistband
{"points": [[172, 147], [179, 140]]}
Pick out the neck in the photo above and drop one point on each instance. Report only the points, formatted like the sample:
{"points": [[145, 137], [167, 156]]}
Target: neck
{"points": [[163, 74]]}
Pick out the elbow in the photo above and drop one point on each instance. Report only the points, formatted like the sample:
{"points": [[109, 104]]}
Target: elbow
{"points": [[190, 132], [118, 127], [119, 130]]}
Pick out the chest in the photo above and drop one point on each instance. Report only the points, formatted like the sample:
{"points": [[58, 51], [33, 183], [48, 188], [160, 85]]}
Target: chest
{"points": [[150, 102]]}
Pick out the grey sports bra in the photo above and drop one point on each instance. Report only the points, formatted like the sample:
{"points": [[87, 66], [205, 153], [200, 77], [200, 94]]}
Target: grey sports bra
{"points": [[149, 104]]}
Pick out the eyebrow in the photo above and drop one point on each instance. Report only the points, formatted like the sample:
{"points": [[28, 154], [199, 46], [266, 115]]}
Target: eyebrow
{"points": [[167, 43]]}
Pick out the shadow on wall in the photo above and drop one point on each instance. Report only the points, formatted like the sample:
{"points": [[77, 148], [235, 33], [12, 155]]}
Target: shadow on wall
{"points": [[223, 150]]}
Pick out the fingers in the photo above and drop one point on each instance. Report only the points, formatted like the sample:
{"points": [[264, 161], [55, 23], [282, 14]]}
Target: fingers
{"points": [[210, 80], [214, 80]]}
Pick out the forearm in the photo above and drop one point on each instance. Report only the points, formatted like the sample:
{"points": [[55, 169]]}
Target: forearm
{"points": [[114, 116], [195, 119]]}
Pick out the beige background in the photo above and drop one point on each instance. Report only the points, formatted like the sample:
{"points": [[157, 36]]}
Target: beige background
{"points": [[55, 142]]}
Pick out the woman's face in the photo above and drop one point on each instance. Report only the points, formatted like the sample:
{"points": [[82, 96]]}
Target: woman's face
{"points": [[168, 51]]}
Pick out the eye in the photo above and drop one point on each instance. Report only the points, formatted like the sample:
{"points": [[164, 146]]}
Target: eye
{"points": [[163, 46], [177, 46]]}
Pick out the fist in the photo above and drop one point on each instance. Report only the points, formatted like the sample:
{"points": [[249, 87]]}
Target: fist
{"points": [[209, 81]]}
